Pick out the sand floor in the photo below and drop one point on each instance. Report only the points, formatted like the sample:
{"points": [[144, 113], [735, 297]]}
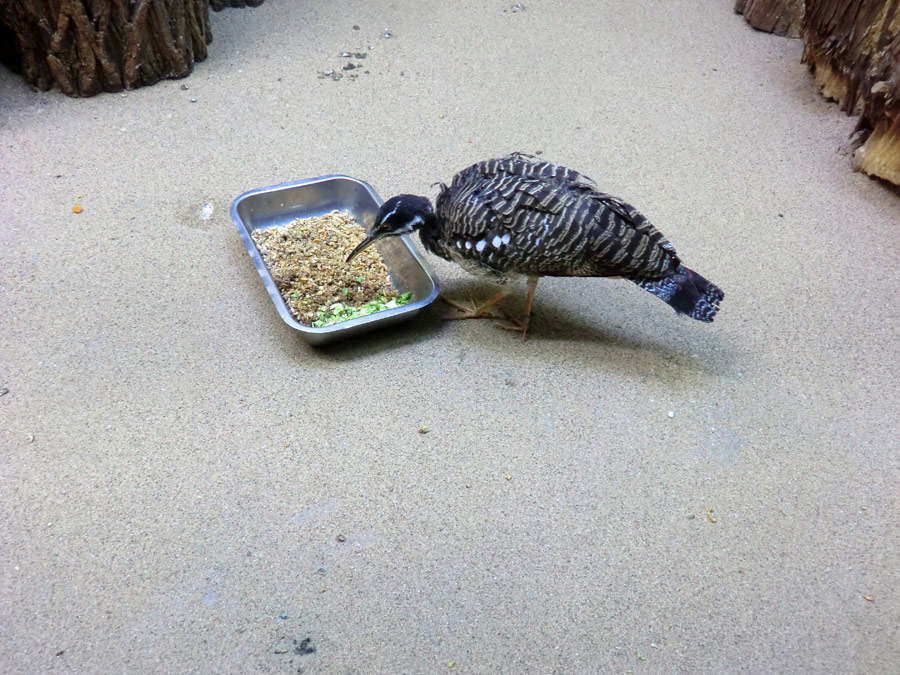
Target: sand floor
{"points": [[177, 465]]}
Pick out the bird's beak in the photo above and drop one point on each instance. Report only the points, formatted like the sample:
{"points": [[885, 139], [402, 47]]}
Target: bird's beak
{"points": [[364, 244]]}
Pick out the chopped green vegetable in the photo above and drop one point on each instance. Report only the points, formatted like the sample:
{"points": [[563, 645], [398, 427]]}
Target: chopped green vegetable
{"points": [[339, 311]]}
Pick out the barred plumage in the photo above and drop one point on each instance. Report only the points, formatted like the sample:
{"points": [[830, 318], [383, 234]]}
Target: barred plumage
{"points": [[516, 216], [557, 223]]}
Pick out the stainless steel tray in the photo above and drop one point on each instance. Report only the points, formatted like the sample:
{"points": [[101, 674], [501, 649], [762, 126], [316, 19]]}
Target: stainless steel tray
{"points": [[280, 204]]}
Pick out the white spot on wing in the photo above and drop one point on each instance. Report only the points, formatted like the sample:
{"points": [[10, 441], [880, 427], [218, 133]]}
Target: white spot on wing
{"points": [[480, 245], [468, 245], [459, 244], [496, 241], [505, 238]]}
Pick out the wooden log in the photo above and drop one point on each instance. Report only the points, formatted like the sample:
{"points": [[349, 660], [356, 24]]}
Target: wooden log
{"points": [[782, 17], [853, 49], [219, 5], [88, 46]]}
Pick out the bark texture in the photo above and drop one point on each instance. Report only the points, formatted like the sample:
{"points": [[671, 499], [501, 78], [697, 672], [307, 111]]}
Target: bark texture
{"points": [[88, 46], [782, 17], [219, 5], [853, 48]]}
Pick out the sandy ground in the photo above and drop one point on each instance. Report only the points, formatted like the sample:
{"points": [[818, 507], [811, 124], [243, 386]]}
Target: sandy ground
{"points": [[177, 464]]}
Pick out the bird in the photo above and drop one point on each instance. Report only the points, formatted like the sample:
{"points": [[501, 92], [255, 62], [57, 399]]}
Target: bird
{"points": [[518, 216]]}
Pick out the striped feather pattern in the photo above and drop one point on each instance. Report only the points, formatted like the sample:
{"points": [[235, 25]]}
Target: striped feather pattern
{"points": [[517, 216]]}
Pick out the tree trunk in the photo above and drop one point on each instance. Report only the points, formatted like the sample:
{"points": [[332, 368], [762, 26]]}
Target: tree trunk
{"points": [[219, 5], [782, 17], [853, 48], [88, 46]]}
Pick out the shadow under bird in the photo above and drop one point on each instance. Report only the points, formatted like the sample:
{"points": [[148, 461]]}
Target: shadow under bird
{"points": [[513, 217]]}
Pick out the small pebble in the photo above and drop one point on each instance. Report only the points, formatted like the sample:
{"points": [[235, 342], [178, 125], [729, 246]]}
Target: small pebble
{"points": [[518, 7], [539, 152], [671, 413], [346, 55], [281, 650], [355, 27], [327, 71], [371, 46], [31, 440], [184, 87], [388, 34], [193, 100], [341, 538], [283, 616], [4, 391], [868, 597], [423, 429], [508, 477]]}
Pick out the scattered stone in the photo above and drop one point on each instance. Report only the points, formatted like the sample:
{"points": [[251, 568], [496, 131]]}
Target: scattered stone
{"points": [[388, 34], [346, 55], [193, 100], [283, 616], [423, 429], [327, 72], [184, 87], [518, 7], [349, 66], [870, 598], [671, 413], [711, 515], [341, 538], [355, 27]]}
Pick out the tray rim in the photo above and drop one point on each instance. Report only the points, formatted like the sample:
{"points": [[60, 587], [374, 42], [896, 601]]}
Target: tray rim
{"points": [[363, 322]]}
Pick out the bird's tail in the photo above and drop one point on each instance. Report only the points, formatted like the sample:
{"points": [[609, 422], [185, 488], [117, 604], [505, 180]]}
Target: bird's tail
{"points": [[687, 292]]}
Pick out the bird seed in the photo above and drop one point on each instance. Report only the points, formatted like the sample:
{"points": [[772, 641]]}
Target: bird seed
{"points": [[307, 258]]}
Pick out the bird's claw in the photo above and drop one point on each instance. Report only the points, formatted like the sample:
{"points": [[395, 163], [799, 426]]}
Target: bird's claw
{"points": [[519, 325], [470, 311]]}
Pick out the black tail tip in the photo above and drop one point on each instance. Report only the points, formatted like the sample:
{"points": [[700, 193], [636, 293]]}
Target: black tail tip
{"points": [[707, 304], [687, 293]]}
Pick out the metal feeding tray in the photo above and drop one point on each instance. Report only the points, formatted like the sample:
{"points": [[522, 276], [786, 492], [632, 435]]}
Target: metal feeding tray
{"points": [[280, 204]]}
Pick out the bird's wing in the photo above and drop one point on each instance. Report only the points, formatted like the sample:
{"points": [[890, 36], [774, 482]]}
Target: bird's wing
{"points": [[527, 166], [517, 215]]}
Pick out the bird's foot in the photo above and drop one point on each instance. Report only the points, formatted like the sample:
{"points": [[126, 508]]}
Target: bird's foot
{"points": [[470, 311], [514, 323]]}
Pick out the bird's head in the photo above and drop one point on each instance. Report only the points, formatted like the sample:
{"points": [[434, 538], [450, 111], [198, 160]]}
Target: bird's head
{"points": [[398, 215]]}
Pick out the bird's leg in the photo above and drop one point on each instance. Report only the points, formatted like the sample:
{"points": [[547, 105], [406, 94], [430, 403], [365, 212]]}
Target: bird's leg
{"points": [[472, 312], [523, 323]]}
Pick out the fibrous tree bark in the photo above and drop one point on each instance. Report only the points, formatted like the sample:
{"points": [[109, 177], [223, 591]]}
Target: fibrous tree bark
{"points": [[782, 17], [88, 46], [853, 48], [219, 5]]}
